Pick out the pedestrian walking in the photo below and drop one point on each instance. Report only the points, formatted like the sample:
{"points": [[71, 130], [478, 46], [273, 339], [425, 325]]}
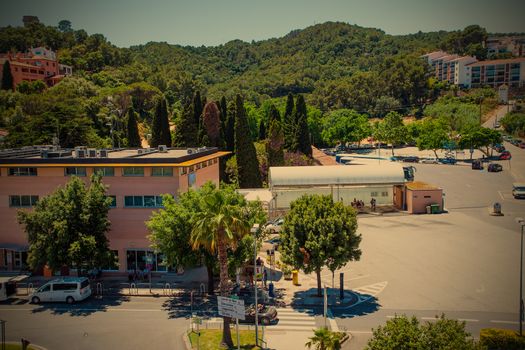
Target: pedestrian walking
{"points": [[265, 277]]}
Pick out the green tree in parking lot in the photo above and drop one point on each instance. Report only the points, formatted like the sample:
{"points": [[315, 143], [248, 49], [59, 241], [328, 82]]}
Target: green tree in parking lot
{"points": [[476, 136], [403, 333], [433, 133], [318, 232], [69, 227], [392, 129]]}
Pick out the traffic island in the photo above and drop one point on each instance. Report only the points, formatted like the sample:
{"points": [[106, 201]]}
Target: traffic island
{"points": [[11, 345], [210, 339]]}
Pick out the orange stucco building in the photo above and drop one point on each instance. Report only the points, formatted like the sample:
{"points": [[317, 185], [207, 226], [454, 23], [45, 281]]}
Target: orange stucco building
{"points": [[36, 64], [136, 179]]}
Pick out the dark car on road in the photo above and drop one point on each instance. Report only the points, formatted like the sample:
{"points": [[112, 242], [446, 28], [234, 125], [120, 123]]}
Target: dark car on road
{"points": [[411, 159], [494, 168], [499, 147], [448, 160], [477, 164]]}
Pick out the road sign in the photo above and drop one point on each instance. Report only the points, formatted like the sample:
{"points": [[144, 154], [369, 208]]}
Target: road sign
{"points": [[231, 308]]}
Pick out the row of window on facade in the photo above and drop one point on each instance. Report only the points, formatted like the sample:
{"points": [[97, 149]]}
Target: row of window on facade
{"points": [[110, 171], [143, 201]]}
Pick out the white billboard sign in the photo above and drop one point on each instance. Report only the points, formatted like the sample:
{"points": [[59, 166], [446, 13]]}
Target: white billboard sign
{"points": [[231, 307]]}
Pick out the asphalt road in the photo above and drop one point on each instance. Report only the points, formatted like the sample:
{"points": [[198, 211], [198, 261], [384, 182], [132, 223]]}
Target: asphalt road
{"points": [[110, 323]]}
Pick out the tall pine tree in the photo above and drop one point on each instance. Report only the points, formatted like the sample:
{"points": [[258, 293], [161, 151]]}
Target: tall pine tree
{"points": [[186, 129], [229, 132], [133, 130], [7, 77], [223, 109], [302, 134], [289, 124], [247, 163], [273, 114], [160, 134]]}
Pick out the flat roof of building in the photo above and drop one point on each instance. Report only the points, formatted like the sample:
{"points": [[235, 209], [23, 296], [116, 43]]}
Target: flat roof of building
{"points": [[421, 186], [502, 61], [384, 174], [50, 156]]}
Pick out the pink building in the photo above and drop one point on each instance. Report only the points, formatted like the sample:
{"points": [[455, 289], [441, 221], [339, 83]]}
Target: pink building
{"points": [[419, 195], [136, 180]]}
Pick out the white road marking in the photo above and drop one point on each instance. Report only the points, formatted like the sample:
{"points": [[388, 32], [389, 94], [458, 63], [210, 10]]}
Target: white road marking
{"points": [[84, 309], [467, 320], [509, 322], [333, 325], [501, 195]]}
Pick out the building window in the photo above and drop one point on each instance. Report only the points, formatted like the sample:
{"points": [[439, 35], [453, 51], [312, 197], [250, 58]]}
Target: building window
{"points": [[140, 260], [75, 171], [384, 194], [204, 164], [158, 171], [214, 160], [133, 171], [107, 171], [24, 70], [143, 201], [22, 201], [22, 172], [183, 170], [197, 166], [373, 194], [191, 169], [113, 201]]}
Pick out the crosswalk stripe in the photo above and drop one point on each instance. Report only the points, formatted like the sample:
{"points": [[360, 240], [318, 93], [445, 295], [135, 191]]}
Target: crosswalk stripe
{"points": [[287, 321]]}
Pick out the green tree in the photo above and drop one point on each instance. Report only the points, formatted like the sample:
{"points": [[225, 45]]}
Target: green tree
{"points": [[160, 134], [69, 227], [186, 129], [324, 339], [477, 136], [344, 126], [318, 232], [289, 124], [223, 109], [247, 164], [7, 77], [65, 26], [197, 115], [302, 134], [31, 87], [262, 130], [229, 132], [433, 134], [393, 130], [218, 224], [403, 333], [133, 130]]}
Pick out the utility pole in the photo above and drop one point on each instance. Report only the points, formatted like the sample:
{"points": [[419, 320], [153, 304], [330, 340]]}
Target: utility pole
{"points": [[254, 230]]}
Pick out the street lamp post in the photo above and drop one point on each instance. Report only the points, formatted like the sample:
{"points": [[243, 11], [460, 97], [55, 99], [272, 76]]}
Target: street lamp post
{"points": [[521, 221], [254, 230]]}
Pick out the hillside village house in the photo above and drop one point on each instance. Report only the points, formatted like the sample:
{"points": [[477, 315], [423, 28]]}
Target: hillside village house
{"points": [[136, 180], [36, 64]]}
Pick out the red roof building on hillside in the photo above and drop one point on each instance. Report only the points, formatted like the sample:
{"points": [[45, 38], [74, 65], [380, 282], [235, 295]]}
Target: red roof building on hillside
{"points": [[36, 64]]}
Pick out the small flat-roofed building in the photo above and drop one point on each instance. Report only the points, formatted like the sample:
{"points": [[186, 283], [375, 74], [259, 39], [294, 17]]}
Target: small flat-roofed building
{"points": [[419, 195], [343, 183], [136, 180]]}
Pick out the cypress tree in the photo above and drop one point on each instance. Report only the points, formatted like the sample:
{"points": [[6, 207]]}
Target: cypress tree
{"points": [[7, 77], [274, 147], [229, 132], [288, 124], [223, 109], [186, 129], [302, 134], [133, 130], [247, 163], [160, 134], [262, 130]]}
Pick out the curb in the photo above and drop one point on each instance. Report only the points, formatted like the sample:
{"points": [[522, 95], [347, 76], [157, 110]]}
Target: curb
{"points": [[186, 340], [34, 346]]}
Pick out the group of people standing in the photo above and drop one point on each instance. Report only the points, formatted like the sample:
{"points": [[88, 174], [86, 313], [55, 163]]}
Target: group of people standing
{"points": [[359, 204]]}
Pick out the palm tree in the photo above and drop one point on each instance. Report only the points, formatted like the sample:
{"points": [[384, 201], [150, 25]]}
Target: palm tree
{"points": [[220, 221], [324, 339]]}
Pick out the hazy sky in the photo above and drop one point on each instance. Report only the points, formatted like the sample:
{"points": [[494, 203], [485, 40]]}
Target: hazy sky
{"points": [[212, 22]]}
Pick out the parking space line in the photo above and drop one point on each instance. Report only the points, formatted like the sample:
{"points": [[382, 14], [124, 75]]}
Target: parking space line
{"points": [[508, 322], [467, 320]]}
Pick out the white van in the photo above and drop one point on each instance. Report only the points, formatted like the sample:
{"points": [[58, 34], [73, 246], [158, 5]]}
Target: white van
{"points": [[68, 289]]}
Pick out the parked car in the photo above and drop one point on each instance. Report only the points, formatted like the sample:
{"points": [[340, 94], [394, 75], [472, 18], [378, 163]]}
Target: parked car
{"points": [[411, 159], [477, 164], [518, 190], [515, 142], [429, 161], [504, 155], [499, 147], [521, 145], [266, 315], [275, 226], [448, 161], [68, 289], [497, 125], [276, 241], [494, 168]]}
